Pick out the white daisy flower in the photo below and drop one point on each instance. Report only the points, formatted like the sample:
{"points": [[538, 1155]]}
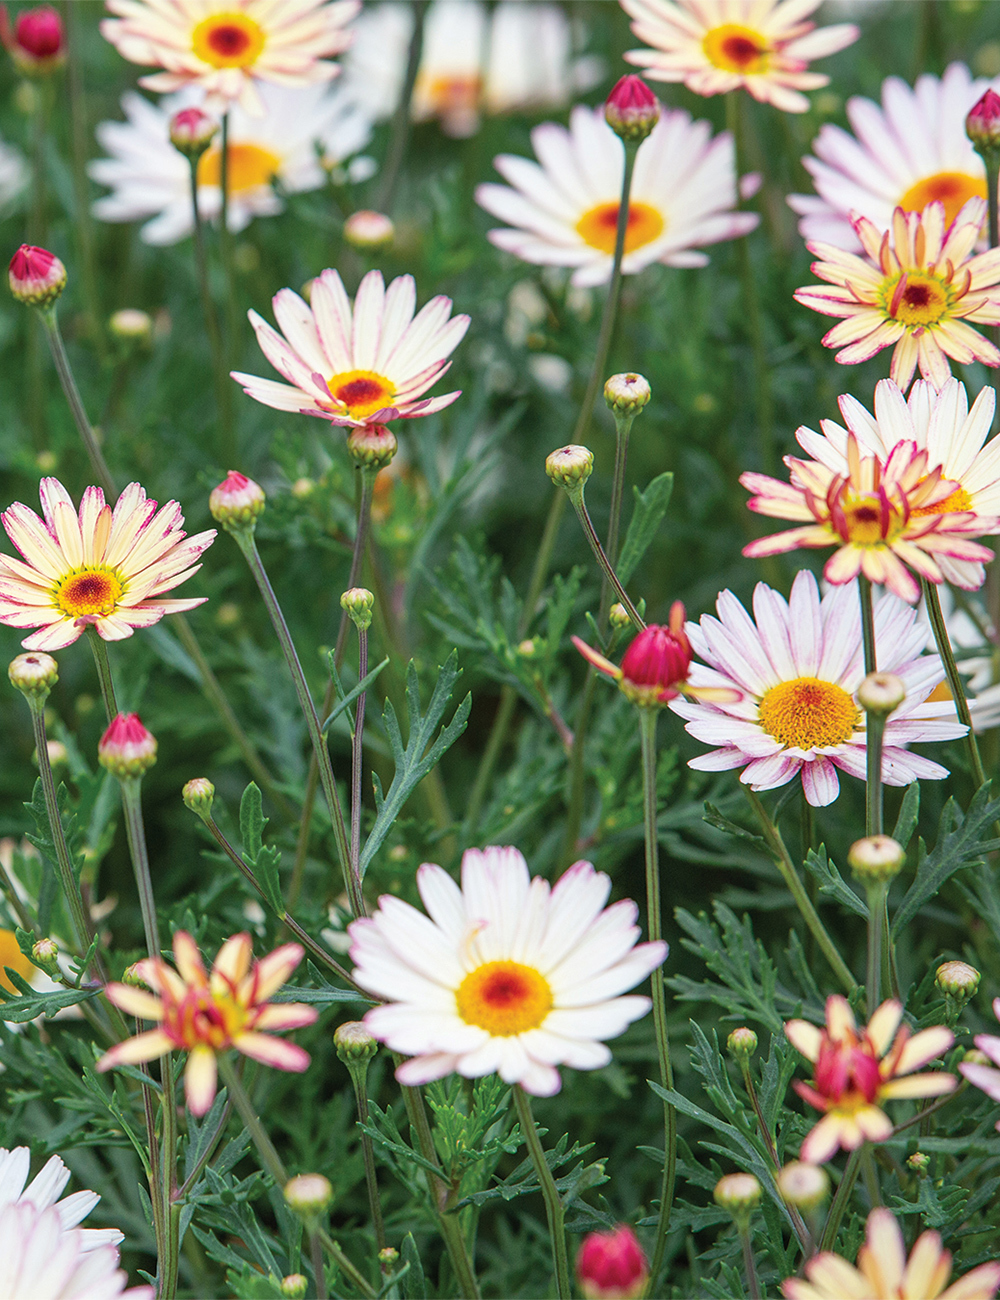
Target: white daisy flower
{"points": [[563, 209], [13, 173], [43, 1192], [356, 366], [953, 436], [150, 179], [798, 666], [507, 974], [908, 153]]}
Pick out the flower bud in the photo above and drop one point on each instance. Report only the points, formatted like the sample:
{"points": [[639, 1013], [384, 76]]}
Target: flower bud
{"points": [[294, 1286], [881, 693], [975, 1056], [56, 751], [742, 1043], [618, 615], [372, 446], [36, 276], [804, 1186], [359, 603], [957, 979], [308, 1194], [367, 229], [656, 662], [387, 1256], [982, 125], [631, 110], [38, 43], [570, 466], [354, 1042], [127, 749], [132, 327], [198, 795], [739, 1194], [132, 978], [237, 501], [192, 130], [302, 488], [627, 394], [33, 674], [45, 953], [876, 858], [612, 1265], [919, 1162]]}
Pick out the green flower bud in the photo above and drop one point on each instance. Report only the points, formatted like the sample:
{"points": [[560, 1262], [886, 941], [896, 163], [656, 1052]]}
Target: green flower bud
{"points": [[627, 394], [570, 466], [198, 796], [372, 446], [881, 693], [294, 1286], [742, 1043], [876, 859], [354, 1043], [359, 603], [44, 953], [308, 1195], [957, 979], [33, 675], [237, 501], [618, 616]]}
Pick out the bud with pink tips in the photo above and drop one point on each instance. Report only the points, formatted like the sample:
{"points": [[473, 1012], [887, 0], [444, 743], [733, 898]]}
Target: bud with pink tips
{"points": [[127, 749], [37, 277], [237, 501], [37, 42], [632, 110], [982, 125], [192, 130], [612, 1265], [366, 229]]}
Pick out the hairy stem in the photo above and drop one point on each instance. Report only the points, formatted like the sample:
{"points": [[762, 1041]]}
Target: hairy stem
{"points": [[749, 1264], [550, 1193]]}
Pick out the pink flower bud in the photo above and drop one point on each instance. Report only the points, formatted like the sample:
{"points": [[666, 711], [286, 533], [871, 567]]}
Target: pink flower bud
{"points": [[38, 42], [611, 1265], [237, 501], [372, 446], [632, 110], [37, 277], [127, 749], [657, 661], [192, 131], [367, 229], [982, 126]]}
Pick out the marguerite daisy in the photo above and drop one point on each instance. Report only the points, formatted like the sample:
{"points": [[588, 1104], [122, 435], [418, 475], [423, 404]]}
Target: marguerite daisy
{"points": [[227, 46], [797, 666], [354, 367], [714, 46], [910, 152], [101, 566], [43, 1193], [507, 974], [563, 210], [40, 1256], [150, 179]]}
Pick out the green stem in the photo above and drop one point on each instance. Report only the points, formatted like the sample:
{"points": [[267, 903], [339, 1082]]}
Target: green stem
{"points": [[749, 1264], [797, 1221], [205, 1156], [368, 1152], [344, 1264], [170, 1261], [840, 1200], [875, 721], [783, 862], [550, 1193], [399, 131], [319, 1268], [132, 804], [220, 373], [867, 624], [932, 603], [623, 427], [357, 741], [97, 462], [269, 1157], [590, 532], [104, 673], [869, 1174], [226, 247], [876, 913]]}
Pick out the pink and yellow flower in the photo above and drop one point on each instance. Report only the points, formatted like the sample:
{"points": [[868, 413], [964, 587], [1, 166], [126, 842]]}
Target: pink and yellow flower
{"points": [[97, 566], [916, 291], [204, 1014], [856, 1071]]}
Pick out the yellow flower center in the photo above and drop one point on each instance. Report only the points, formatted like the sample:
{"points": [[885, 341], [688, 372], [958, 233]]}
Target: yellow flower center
{"points": [[958, 502], [362, 392], [808, 713], [450, 94], [599, 225], [250, 167], [737, 49], [953, 189], [916, 299], [94, 590], [228, 40], [941, 694], [504, 998], [12, 956]]}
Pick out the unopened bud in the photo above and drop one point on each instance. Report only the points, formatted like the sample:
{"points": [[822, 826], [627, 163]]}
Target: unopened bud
{"points": [[359, 603], [367, 229], [919, 1161], [132, 327], [192, 130], [198, 795], [982, 125], [742, 1043], [570, 466], [38, 42], [33, 674], [881, 693], [36, 276], [739, 1194], [354, 1042], [626, 394], [631, 110], [527, 648], [56, 751], [976, 1056], [132, 978], [127, 749], [388, 1256], [804, 1186], [308, 1194], [372, 446], [612, 1265], [618, 616], [957, 979], [294, 1286], [237, 501], [876, 858], [302, 488], [45, 953]]}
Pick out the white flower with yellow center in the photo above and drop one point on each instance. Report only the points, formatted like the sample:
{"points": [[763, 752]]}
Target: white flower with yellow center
{"points": [[43, 1193], [151, 181], [100, 566], [228, 46], [359, 365], [797, 666], [508, 974], [563, 209], [906, 154], [715, 46]]}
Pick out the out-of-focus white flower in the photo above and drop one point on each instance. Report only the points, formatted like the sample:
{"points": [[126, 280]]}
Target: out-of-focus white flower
{"points": [[149, 178], [44, 1191], [13, 173]]}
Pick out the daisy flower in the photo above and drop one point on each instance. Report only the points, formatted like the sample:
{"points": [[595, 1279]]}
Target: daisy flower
{"points": [[797, 666], [206, 1013], [13, 173], [985, 1077], [918, 289], [40, 1256], [885, 1273], [507, 974], [150, 181], [228, 47], [855, 1071], [101, 566], [910, 152], [940, 423], [563, 210], [714, 46], [360, 366], [43, 1193]]}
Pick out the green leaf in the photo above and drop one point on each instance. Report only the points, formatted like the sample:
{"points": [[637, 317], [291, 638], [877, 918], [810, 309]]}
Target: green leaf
{"points": [[252, 822], [909, 811], [721, 823], [832, 883], [18, 1009], [650, 507], [347, 700], [413, 1285]]}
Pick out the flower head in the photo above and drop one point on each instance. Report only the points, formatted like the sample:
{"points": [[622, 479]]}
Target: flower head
{"points": [[36, 276], [563, 210], [37, 43], [127, 749], [366, 229], [192, 130], [229, 49], [33, 675], [43, 1193], [982, 125], [980, 1074], [855, 1071], [40, 1256], [797, 667], [97, 566], [631, 110], [714, 46], [206, 1013], [884, 1272], [356, 365], [612, 1265], [507, 974], [917, 290], [236, 501]]}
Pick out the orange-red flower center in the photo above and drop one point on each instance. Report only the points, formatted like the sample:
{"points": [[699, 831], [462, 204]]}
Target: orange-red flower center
{"points": [[952, 189], [599, 225], [228, 40], [916, 299], [94, 591], [363, 392], [504, 998], [735, 48], [808, 713]]}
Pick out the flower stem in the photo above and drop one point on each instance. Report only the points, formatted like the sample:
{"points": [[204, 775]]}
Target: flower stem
{"points": [[319, 1268], [647, 732], [839, 1204], [399, 131], [595, 545], [368, 1153], [356, 757], [170, 1260], [226, 247], [269, 1157], [220, 374], [132, 804], [104, 673], [749, 1264], [783, 862], [875, 721], [98, 464], [932, 603], [550, 1193], [798, 1223], [877, 892]]}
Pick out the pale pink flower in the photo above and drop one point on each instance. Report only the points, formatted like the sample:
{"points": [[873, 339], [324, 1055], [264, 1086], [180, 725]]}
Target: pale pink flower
{"points": [[981, 1076]]}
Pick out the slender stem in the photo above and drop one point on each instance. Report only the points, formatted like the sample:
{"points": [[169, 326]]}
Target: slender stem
{"points": [[368, 1152], [840, 1200], [749, 1264], [132, 804], [220, 374], [783, 862], [104, 673], [494, 744], [928, 1111], [344, 1264], [400, 128], [870, 1175], [356, 756], [797, 1221], [876, 911], [932, 603], [595, 545], [97, 462], [206, 1154], [623, 427], [550, 1193], [319, 1268], [867, 624], [39, 112], [874, 734], [169, 1262], [269, 1157]]}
